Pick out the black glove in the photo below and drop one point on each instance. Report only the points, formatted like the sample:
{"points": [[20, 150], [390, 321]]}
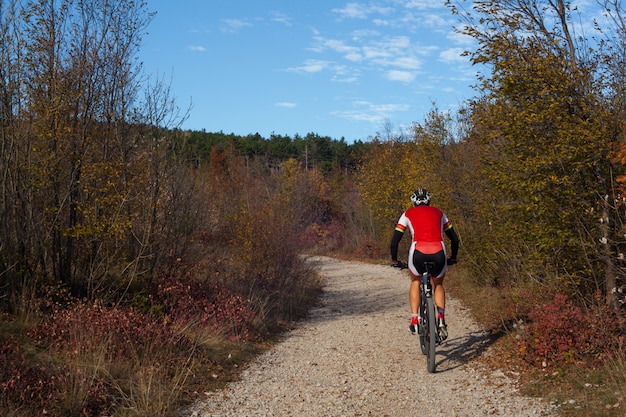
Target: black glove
{"points": [[399, 264], [451, 261]]}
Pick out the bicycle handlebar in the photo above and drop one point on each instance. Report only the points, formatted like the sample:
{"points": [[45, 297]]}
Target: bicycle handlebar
{"points": [[402, 265]]}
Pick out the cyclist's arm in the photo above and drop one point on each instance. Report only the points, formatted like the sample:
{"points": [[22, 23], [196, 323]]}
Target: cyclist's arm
{"points": [[393, 247], [454, 242]]}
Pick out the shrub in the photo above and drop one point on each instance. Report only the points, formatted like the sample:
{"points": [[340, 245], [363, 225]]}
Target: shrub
{"points": [[35, 386], [118, 333], [324, 236], [368, 248], [210, 306], [561, 333], [91, 358]]}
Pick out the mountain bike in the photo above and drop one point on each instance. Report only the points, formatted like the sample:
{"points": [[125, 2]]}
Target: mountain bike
{"points": [[428, 332]]}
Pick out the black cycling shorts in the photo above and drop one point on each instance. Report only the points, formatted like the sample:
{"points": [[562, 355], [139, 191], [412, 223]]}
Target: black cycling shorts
{"points": [[439, 260]]}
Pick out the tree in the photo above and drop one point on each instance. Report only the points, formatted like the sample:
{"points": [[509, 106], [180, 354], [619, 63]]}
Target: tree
{"points": [[91, 172], [394, 168], [541, 127]]}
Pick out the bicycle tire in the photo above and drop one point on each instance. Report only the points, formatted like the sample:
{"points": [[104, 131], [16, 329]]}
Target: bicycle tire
{"points": [[431, 336], [422, 319]]}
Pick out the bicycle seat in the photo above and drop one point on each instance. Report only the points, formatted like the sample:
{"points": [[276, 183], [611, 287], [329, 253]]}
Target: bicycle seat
{"points": [[429, 265]]}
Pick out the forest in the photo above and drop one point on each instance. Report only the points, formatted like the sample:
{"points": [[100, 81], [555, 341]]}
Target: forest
{"points": [[134, 253]]}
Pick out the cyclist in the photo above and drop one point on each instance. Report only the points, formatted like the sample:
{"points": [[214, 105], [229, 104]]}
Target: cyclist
{"points": [[427, 225]]}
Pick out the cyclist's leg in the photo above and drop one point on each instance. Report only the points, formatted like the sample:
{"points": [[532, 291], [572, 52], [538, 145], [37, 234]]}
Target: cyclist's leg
{"points": [[440, 293], [414, 301], [414, 292]]}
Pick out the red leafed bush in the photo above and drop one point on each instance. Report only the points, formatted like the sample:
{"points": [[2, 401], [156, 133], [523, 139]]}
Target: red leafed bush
{"points": [[117, 333], [20, 384], [211, 306], [563, 333], [41, 387]]}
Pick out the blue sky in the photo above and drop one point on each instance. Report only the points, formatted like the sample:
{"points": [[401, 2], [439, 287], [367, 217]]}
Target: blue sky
{"points": [[335, 68]]}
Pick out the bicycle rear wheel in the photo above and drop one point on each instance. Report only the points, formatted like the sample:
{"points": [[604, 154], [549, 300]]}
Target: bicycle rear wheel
{"points": [[431, 334]]}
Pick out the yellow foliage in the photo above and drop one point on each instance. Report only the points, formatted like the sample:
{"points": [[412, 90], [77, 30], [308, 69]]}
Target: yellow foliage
{"points": [[394, 169]]}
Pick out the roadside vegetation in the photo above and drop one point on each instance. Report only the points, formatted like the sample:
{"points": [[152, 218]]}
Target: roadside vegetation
{"points": [[142, 265]]}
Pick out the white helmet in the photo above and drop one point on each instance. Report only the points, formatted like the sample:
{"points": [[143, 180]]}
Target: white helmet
{"points": [[420, 196]]}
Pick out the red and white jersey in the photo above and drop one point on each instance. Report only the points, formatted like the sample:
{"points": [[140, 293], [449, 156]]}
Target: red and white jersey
{"points": [[427, 225]]}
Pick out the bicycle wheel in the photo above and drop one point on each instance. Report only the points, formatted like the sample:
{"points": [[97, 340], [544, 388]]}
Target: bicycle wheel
{"points": [[423, 331], [431, 337]]}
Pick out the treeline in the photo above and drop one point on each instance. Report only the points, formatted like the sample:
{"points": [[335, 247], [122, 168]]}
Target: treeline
{"points": [[322, 152]]}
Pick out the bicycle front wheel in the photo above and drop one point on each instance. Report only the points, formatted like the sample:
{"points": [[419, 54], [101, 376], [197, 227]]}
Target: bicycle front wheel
{"points": [[431, 334]]}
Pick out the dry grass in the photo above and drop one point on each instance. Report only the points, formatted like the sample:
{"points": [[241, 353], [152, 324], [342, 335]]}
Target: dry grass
{"points": [[578, 391], [489, 306], [84, 376]]}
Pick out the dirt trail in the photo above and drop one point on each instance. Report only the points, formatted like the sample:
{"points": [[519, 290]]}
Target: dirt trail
{"points": [[355, 357]]}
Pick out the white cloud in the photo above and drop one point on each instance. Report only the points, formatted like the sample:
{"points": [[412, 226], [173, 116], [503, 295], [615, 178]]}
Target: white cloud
{"points": [[397, 42], [285, 104], [360, 34], [401, 56], [358, 116], [424, 4], [426, 50], [345, 79], [460, 39], [310, 66], [196, 48], [345, 74], [337, 46], [354, 56], [432, 20], [281, 18], [403, 76], [407, 62], [365, 111], [352, 10], [375, 52], [389, 108], [381, 22], [397, 55], [360, 10], [234, 25], [453, 56]]}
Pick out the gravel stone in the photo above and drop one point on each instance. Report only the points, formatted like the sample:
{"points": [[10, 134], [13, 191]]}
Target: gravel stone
{"points": [[354, 356]]}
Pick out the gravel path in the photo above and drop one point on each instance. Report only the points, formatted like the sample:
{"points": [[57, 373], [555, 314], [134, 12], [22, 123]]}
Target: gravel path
{"points": [[355, 357]]}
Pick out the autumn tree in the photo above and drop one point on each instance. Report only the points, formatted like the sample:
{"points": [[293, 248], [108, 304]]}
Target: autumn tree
{"points": [[386, 180], [92, 180], [543, 128], [395, 167]]}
